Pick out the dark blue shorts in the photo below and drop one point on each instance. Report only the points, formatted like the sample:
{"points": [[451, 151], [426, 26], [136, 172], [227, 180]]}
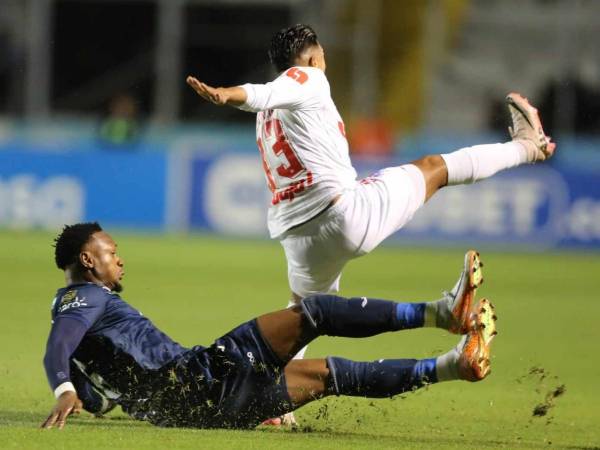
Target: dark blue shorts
{"points": [[238, 382]]}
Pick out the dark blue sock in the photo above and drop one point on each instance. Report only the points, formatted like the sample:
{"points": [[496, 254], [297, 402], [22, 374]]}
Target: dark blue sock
{"points": [[360, 317], [383, 378]]}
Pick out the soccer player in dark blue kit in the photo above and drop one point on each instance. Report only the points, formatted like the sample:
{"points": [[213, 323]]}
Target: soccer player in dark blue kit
{"points": [[102, 352]]}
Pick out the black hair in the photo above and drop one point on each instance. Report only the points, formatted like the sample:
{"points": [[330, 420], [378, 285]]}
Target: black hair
{"points": [[287, 44], [68, 244]]}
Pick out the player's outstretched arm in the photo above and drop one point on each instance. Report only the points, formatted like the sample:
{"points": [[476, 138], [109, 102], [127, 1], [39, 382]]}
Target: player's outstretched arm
{"points": [[68, 403], [65, 336], [233, 96]]}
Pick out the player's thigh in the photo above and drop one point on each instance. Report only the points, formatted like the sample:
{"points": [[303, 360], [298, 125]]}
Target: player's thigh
{"points": [[252, 388], [386, 202], [316, 253]]}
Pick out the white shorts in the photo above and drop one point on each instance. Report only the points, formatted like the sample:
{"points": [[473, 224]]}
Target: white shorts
{"points": [[378, 206]]}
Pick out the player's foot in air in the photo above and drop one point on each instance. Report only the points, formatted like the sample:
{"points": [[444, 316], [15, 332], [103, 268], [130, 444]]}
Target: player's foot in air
{"points": [[527, 128], [454, 311], [474, 348]]}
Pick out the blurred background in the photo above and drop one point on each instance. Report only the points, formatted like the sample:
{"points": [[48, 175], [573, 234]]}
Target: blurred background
{"points": [[97, 123]]}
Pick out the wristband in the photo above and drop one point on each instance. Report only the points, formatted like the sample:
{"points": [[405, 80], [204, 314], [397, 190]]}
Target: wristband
{"points": [[64, 387]]}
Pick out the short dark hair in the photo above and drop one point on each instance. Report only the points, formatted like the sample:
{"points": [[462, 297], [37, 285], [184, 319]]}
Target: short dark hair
{"points": [[289, 43], [68, 244]]}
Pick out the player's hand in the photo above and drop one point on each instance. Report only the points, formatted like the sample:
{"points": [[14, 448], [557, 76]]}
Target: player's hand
{"points": [[218, 96], [68, 403]]}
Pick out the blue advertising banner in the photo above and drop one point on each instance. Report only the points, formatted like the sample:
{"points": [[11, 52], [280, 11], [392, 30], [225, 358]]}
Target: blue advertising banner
{"points": [[49, 189], [228, 194], [535, 206], [554, 205]]}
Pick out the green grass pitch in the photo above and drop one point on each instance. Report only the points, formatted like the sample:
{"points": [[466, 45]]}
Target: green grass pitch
{"points": [[197, 288]]}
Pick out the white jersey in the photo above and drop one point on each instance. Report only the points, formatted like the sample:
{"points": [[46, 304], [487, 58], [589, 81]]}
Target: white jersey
{"points": [[302, 141]]}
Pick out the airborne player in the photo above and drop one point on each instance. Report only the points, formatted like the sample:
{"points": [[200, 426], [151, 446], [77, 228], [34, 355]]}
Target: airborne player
{"points": [[322, 215]]}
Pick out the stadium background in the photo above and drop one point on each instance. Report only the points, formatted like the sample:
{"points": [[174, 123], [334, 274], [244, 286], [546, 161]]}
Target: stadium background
{"points": [[96, 123]]}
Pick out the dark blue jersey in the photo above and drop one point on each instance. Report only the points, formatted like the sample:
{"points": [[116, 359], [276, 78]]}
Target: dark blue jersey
{"points": [[113, 344], [112, 355]]}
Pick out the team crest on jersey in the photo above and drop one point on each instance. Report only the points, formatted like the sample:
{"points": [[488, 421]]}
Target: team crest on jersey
{"points": [[69, 296], [71, 300]]}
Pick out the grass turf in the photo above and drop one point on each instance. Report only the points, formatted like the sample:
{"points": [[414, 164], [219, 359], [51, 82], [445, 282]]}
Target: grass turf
{"points": [[197, 288]]}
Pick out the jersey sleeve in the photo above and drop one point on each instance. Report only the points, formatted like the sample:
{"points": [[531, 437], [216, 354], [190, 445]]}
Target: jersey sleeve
{"points": [[74, 312], [65, 336], [297, 88]]}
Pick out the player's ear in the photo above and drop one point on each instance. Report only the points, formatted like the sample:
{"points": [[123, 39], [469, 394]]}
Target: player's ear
{"points": [[313, 58], [86, 260]]}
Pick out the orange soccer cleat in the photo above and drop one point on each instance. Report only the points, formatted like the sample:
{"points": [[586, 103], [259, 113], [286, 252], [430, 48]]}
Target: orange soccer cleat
{"points": [[461, 297], [474, 349]]}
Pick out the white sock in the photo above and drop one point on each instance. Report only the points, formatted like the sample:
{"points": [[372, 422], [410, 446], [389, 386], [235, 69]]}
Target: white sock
{"points": [[438, 313], [300, 354], [472, 164], [431, 312], [446, 366]]}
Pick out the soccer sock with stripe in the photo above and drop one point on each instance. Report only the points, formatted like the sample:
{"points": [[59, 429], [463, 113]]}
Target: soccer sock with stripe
{"points": [[388, 377], [360, 317], [383, 378]]}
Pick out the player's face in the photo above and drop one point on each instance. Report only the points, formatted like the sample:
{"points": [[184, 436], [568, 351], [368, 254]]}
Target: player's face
{"points": [[107, 266]]}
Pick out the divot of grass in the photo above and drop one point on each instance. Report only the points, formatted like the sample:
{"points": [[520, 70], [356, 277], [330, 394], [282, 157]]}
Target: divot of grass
{"points": [[542, 409], [541, 377]]}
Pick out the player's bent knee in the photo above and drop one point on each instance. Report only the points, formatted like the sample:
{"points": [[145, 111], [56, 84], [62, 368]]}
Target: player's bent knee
{"points": [[317, 309], [435, 173]]}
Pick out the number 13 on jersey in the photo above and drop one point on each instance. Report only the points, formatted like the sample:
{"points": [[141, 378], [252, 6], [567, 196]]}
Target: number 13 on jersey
{"points": [[284, 183]]}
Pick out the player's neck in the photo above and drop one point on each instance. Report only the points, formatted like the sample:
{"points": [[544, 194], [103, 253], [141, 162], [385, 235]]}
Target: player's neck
{"points": [[73, 276]]}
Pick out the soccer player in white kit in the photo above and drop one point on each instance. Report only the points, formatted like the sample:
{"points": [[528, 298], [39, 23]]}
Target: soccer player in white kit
{"points": [[322, 215]]}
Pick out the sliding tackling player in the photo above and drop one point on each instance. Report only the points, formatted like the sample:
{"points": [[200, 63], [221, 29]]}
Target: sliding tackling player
{"points": [[102, 352]]}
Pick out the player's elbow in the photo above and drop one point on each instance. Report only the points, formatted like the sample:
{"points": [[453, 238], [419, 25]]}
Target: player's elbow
{"points": [[48, 364], [48, 361], [57, 351]]}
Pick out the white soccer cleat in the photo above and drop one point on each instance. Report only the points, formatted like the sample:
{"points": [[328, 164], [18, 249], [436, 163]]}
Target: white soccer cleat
{"points": [[457, 317], [474, 348], [527, 128], [287, 419]]}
